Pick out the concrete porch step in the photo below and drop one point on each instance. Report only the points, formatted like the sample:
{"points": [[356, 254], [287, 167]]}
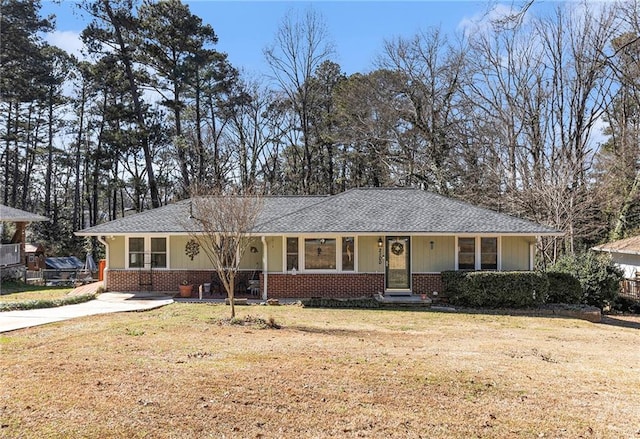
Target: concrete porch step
{"points": [[403, 301]]}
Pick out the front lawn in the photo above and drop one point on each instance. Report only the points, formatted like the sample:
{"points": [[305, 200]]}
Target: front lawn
{"points": [[21, 292], [181, 372]]}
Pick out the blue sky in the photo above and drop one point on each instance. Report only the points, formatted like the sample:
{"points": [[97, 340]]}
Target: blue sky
{"points": [[357, 28]]}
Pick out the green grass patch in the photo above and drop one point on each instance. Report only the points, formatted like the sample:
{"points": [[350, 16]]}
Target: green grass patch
{"points": [[44, 303], [19, 291]]}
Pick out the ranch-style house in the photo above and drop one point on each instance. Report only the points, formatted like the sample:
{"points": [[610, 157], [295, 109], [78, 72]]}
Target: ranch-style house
{"points": [[357, 243]]}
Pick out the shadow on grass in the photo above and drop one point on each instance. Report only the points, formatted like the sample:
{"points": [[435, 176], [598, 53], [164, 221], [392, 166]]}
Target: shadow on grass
{"points": [[621, 322], [331, 331]]}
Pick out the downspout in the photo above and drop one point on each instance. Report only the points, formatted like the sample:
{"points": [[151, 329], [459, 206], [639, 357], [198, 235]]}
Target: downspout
{"points": [[106, 256], [265, 267]]}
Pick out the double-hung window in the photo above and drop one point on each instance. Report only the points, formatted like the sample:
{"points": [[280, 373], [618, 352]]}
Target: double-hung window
{"points": [[348, 253], [478, 253], [147, 252], [489, 253], [159, 252], [292, 254], [466, 253], [136, 252]]}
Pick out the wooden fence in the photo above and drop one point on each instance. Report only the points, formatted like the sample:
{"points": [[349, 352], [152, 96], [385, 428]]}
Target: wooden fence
{"points": [[630, 288]]}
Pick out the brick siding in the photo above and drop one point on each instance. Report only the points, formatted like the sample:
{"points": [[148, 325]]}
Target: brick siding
{"points": [[335, 285], [167, 281], [281, 285]]}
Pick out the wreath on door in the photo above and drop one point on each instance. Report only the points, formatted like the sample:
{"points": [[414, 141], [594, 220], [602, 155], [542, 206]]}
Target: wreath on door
{"points": [[397, 248]]}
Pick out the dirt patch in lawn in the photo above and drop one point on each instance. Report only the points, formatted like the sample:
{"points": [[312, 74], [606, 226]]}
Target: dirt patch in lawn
{"points": [[176, 373]]}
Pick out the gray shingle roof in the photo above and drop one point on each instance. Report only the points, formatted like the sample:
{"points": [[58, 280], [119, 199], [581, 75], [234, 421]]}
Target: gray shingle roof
{"points": [[174, 218], [365, 210], [16, 215], [397, 210]]}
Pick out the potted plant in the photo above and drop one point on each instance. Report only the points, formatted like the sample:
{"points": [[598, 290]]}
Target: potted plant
{"points": [[185, 288]]}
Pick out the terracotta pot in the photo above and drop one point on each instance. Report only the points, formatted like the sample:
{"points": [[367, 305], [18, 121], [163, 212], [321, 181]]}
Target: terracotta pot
{"points": [[185, 290]]}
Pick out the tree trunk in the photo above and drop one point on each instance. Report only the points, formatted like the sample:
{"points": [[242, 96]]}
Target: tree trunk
{"points": [[77, 204], [135, 95]]}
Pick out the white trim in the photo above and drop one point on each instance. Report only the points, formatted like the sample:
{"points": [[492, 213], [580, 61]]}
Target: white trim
{"points": [[265, 263], [340, 233], [478, 250], [301, 254], [532, 255], [146, 265], [456, 250]]}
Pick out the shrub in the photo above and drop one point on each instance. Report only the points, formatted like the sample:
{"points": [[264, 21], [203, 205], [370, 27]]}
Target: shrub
{"points": [[598, 276], [488, 289], [326, 302], [564, 288], [452, 282], [626, 304]]}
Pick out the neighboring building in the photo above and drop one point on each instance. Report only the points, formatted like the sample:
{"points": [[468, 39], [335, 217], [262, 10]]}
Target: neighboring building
{"points": [[625, 253], [34, 256], [12, 254], [67, 263], [357, 243]]}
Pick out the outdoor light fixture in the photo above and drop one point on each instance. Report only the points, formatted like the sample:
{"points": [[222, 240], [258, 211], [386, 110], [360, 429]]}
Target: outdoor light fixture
{"points": [[254, 250], [379, 242], [432, 244]]}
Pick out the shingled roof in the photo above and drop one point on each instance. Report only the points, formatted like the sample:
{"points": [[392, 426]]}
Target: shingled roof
{"points": [[363, 210], [629, 246], [17, 216]]}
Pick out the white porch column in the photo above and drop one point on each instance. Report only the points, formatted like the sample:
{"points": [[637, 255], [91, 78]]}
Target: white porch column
{"points": [[265, 267]]}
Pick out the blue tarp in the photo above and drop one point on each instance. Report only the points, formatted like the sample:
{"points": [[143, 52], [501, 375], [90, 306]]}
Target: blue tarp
{"points": [[64, 263]]}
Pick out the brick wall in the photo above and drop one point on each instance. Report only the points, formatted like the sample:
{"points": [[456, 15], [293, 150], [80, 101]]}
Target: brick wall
{"points": [[167, 281], [334, 285], [427, 284], [281, 285]]}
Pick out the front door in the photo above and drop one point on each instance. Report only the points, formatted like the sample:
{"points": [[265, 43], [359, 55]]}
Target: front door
{"points": [[398, 264]]}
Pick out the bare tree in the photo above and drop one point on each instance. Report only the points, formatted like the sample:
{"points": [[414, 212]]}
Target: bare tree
{"points": [[221, 222], [301, 45], [432, 73]]}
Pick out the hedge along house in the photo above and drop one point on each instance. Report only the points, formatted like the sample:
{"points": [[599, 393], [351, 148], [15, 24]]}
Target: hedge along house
{"points": [[357, 243]]}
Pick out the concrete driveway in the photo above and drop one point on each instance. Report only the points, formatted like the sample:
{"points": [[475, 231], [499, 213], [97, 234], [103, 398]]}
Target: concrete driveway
{"points": [[103, 304]]}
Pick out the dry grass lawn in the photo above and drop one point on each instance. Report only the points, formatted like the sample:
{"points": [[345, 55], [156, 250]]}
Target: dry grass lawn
{"points": [[175, 373]]}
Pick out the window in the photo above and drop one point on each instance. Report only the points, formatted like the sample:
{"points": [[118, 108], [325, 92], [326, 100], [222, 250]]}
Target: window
{"points": [[320, 254], [154, 248], [158, 252], [136, 252], [292, 253], [348, 254], [466, 253], [489, 253]]}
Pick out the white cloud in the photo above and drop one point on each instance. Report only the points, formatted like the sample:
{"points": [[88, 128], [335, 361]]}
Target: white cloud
{"points": [[67, 40]]}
